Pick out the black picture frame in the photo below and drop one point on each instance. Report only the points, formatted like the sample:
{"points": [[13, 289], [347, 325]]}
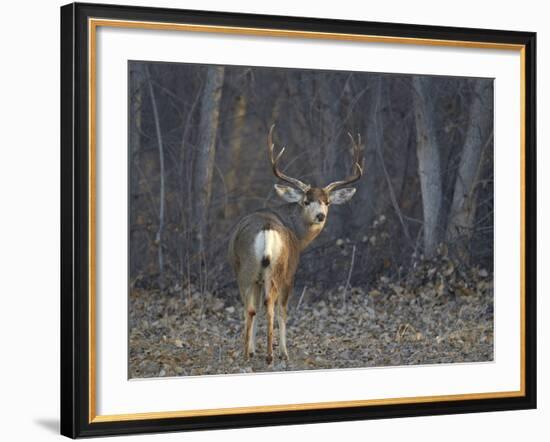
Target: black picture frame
{"points": [[75, 219]]}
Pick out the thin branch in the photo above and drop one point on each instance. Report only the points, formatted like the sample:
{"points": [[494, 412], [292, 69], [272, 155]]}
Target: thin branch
{"points": [[349, 275], [301, 298]]}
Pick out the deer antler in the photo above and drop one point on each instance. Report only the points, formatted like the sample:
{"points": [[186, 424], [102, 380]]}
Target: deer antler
{"points": [[275, 159], [357, 166]]}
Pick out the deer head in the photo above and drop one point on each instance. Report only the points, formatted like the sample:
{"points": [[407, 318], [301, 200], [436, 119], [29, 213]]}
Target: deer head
{"points": [[315, 201]]}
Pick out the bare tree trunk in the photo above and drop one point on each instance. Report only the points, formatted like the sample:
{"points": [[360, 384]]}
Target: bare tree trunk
{"points": [[370, 185], [332, 142], [379, 136], [295, 121], [232, 208], [206, 149], [427, 152], [158, 239], [463, 207], [136, 108]]}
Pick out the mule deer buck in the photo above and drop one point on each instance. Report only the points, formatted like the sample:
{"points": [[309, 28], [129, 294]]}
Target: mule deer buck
{"points": [[265, 246]]}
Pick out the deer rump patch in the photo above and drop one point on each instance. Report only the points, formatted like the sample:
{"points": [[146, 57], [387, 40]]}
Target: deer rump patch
{"points": [[267, 246]]}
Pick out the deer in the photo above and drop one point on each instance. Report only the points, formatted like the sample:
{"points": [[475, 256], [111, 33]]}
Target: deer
{"points": [[265, 245]]}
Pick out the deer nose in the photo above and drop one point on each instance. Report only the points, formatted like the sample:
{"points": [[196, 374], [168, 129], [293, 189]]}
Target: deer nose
{"points": [[321, 217]]}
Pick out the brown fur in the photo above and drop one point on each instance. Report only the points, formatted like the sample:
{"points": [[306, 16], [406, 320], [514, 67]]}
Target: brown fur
{"points": [[317, 194]]}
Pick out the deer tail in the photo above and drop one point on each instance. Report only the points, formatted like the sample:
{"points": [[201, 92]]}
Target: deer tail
{"points": [[268, 247]]}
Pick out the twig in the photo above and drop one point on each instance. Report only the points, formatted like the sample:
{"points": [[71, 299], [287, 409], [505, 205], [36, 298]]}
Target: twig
{"points": [[301, 297], [349, 275]]}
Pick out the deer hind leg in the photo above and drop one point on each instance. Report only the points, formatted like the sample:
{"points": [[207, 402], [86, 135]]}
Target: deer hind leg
{"points": [[250, 309], [281, 319], [270, 300], [257, 307]]}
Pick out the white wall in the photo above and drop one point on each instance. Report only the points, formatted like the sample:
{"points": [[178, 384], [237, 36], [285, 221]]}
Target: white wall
{"points": [[29, 220]]}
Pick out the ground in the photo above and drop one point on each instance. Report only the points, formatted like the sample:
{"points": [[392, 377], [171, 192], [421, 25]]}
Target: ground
{"points": [[437, 318]]}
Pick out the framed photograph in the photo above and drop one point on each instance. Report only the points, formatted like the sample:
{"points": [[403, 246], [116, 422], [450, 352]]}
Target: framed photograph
{"points": [[274, 220]]}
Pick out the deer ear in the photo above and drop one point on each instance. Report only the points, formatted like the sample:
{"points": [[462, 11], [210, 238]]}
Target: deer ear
{"points": [[341, 196], [289, 194]]}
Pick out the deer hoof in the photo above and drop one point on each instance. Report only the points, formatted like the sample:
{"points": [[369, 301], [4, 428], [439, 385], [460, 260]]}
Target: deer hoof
{"points": [[269, 359], [250, 354]]}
